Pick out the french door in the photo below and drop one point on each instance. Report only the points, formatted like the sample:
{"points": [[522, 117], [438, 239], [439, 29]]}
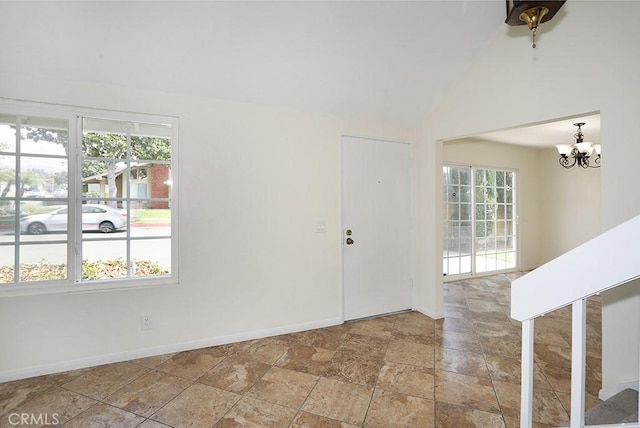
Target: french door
{"points": [[479, 220]]}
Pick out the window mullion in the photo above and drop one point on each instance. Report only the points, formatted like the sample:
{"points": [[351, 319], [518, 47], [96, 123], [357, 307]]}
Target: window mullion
{"points": [[473, 220], [75, 199], [127, 201], [18, 206]]}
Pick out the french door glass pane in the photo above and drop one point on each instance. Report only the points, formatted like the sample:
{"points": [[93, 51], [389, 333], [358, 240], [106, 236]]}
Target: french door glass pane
{"points": [[495, 225], [457, 220], [491, 242]]}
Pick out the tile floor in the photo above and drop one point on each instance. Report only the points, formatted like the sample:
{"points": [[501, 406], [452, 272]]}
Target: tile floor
{"points": [[401, 370]]}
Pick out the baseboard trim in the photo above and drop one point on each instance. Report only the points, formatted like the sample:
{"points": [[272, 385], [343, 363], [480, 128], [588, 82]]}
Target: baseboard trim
{"points": [[605, 394], [431, 314], [133, 354]]}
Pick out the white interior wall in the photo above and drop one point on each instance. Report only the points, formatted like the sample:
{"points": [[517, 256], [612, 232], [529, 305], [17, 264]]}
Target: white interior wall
{"points": [[253, 183], [525, 161], [582, 64], [570, 209]]}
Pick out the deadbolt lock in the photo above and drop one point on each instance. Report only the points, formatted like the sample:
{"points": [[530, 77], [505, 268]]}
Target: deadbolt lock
{"points": [[348, 232]]}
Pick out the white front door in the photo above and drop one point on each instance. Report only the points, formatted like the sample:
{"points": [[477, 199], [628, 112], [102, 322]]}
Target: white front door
{"points": [[376, 223]]}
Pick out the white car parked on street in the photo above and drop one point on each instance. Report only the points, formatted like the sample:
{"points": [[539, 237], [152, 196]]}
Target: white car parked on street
{"points": [[94, 217]]}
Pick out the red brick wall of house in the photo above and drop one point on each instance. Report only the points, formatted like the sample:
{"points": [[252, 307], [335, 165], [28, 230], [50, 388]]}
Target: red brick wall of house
{"points": [[158, 174]]}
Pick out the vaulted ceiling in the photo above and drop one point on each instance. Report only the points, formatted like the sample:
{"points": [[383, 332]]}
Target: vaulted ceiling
{"points": [[377, 60]]}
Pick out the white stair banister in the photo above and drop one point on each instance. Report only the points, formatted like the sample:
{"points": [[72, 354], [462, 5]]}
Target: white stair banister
{"points": [[578, 361], [547, 288], [526, 391]]}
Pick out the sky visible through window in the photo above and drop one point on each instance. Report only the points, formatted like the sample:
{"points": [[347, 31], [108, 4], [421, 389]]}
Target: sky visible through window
{"points": [[8, 144]]}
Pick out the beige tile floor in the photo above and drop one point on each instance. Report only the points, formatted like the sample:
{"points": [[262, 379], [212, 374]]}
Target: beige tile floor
{"points": [[400, 370]]}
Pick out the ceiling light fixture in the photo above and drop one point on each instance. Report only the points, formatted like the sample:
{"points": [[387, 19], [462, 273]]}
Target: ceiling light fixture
{"points": [[532, 13], [580, 152]]}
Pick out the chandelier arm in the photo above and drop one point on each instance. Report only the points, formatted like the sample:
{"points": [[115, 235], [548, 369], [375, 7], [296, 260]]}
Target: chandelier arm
{"points": [[596, 161], [583, 160], [565, 162]]}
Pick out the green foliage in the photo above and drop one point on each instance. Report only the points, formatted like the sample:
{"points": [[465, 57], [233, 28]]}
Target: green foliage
{"points": [[91, 270], [93, 167], [7, 176], [158, 216], [98, 145], [147, 148], [28, 179], [118, 269], [486, 201], [106, 145], [101, 145], [60, 136], [34, 272]]}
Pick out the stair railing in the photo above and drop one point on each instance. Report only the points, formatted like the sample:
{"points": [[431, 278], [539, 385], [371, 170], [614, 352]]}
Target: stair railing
{"points": [[544, 290]]}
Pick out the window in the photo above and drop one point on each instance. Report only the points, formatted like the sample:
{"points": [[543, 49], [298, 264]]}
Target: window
{"points": [[139, 173], [86, 199], [480, 221]]}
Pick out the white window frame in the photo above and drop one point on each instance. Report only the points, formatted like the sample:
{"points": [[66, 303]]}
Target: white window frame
{"points": [[73, 283]]}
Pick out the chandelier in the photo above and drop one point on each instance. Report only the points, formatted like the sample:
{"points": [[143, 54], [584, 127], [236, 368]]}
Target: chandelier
{"points": [[579, 153]]}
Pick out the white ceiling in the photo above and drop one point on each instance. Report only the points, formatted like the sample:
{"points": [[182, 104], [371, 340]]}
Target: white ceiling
{"points": [[548, 134], [375, 60]]}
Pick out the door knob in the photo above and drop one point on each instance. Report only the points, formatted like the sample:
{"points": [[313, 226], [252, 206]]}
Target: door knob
{"points": [[349, 241]]}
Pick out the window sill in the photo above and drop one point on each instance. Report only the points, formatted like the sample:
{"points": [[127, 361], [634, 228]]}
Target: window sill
{"points": [[39, 288]]}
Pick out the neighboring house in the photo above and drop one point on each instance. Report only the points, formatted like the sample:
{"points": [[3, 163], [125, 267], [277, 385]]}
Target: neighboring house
{"points": [[145, 181]]}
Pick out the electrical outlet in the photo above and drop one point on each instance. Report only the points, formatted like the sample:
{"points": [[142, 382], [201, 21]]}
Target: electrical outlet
{"points": [[145, 322]]}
